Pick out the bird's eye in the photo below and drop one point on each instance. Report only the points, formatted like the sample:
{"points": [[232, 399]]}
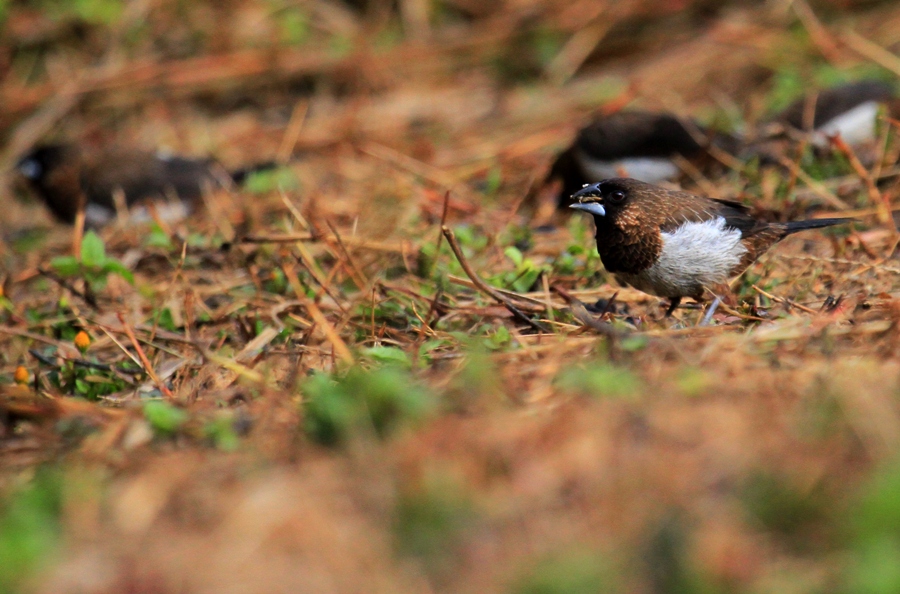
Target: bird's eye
{"points": [[30, 168], [617, 196]]}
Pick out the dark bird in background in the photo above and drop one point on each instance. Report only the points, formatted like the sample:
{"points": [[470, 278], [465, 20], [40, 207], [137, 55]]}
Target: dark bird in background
{"points": [[64, 176], [640, 143], [674, 244], [850, 111]]}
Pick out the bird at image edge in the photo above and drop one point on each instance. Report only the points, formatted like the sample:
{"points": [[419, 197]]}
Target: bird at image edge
{"points": [[64, 175], [674, 244], [850, 110]]}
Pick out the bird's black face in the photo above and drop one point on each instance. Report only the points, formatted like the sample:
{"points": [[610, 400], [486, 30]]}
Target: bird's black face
{"points": [[30, 168], [38, 163], [602, 199]]}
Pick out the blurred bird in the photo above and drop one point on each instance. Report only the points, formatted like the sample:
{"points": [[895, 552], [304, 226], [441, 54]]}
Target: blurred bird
{"points": [[640, 144], [850, 111], [674, 244], [67, 178]]}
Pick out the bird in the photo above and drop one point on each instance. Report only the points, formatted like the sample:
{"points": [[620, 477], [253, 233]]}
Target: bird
{"points": [[67, 177], [674, 244], [640, 143], [850, 110]]}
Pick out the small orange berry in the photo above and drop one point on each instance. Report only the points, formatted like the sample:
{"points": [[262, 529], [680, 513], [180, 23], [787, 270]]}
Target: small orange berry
{"points": [[82, 341], [21, 375]]}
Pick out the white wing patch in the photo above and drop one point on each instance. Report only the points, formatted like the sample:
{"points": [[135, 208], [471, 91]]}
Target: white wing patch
{"points": [[694, 256], [645, 169], [855, 126]]}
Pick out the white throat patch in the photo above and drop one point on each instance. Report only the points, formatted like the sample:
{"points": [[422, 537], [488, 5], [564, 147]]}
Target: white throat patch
{"points": [[694, 256]]}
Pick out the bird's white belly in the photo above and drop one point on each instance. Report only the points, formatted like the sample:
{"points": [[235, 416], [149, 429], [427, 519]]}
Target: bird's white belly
{"points": [[645, 169], [96, 216], [855, 126], [694, 256], [170, 212]]}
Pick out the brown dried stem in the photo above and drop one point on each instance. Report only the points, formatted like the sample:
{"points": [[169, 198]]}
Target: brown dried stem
{"points": [[484, 287]]}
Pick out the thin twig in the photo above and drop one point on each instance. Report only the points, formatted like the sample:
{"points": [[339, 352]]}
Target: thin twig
{"points": [[817, 31], [882, 202], [144, 360], [340, 347], [484, 287], [872, 51], [814, 185], [289, 238], [230, 364], [584, 316], [358, 277], [783, 300], [433, 306], [292, 132], [356, 242]]}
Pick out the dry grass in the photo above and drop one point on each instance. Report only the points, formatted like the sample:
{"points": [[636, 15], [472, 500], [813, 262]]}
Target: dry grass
{"points": [[304, 390]]}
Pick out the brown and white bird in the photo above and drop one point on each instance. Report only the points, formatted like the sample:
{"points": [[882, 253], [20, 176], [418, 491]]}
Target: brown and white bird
{"points": [[674, 244], [67, 177]]}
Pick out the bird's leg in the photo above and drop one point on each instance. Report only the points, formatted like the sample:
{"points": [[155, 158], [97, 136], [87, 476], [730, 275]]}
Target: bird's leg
{"points": [[710, 311], [722, 294], [672, 305]]}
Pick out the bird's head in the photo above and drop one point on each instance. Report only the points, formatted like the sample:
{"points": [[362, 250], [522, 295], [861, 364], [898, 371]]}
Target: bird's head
{"points": [[39, 162], [610, 198]]}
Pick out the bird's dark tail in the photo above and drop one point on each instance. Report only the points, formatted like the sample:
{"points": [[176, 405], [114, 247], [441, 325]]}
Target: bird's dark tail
{"points": [[795, 226], [239, 176]]}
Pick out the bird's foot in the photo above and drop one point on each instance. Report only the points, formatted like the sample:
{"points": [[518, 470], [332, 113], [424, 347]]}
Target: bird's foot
{"points": [[672, 306], [711, 310]]}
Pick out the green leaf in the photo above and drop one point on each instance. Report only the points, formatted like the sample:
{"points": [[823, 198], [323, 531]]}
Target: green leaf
{"points": [[515, 255], [221, 432], [30, 531], [338, 408], [388, 356], [93, 252], [600, 380], [262, 182], [572, 572], [118, 268], [493, 181], [634, 343], [526, 280], [499, 339], [158, 238], [295, 27], [166, 320], [163, 417], [66, 265]]}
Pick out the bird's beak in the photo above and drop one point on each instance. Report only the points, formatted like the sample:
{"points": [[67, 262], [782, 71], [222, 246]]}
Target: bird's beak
{"points": [[595, 208], [29, 168], [587, 190]]}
